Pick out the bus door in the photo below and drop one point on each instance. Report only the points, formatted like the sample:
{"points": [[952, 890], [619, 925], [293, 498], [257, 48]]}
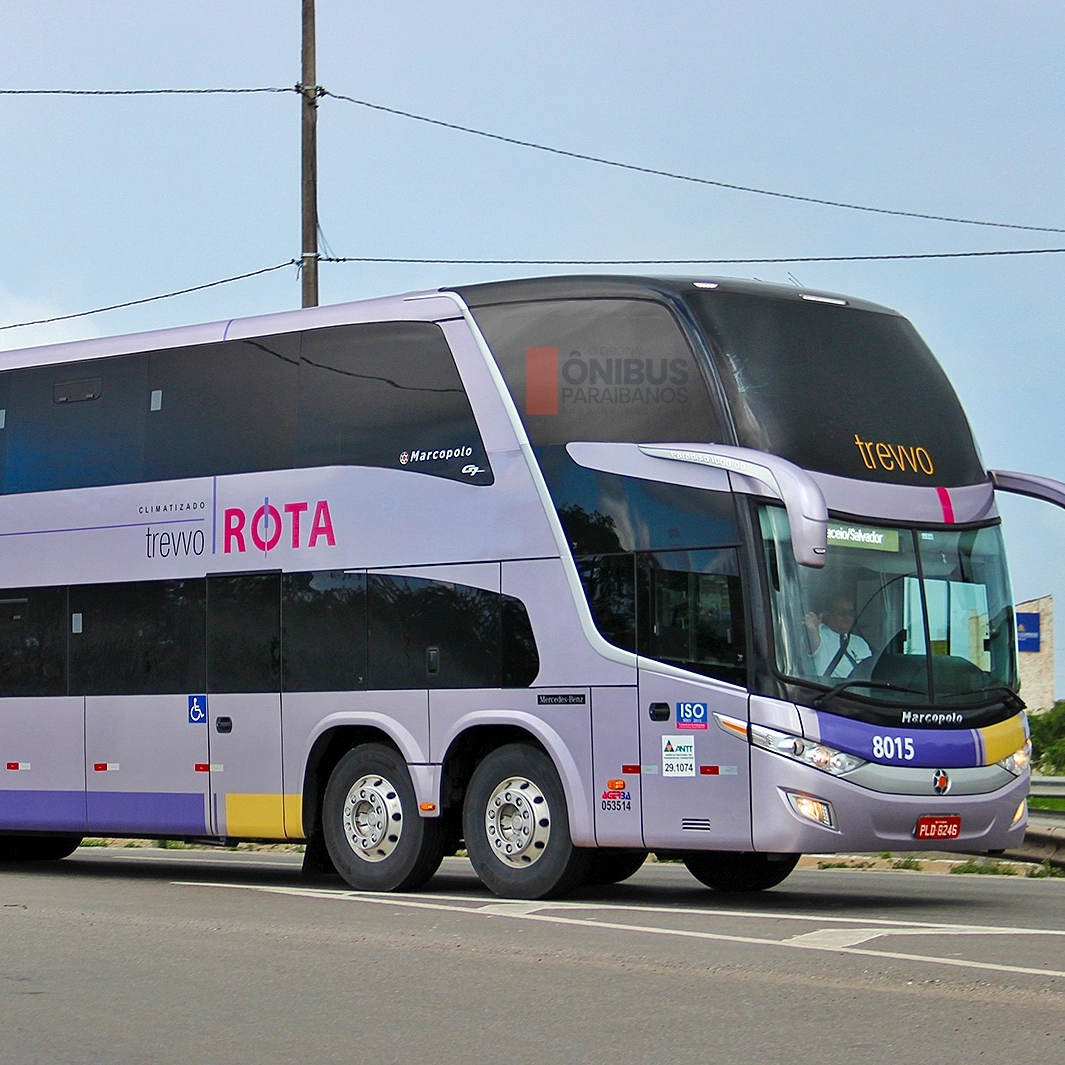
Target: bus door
{"points": [[136, 656], [243, 705], [695, 777]]}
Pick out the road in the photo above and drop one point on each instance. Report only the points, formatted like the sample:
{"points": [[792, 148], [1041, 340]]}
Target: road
{"points": [[122, 956]]}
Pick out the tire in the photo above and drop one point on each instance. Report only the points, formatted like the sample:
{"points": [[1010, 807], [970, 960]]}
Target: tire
{"points": [[373, 832], [728, 871], [37, 848], [610, 866], [517, 826]]}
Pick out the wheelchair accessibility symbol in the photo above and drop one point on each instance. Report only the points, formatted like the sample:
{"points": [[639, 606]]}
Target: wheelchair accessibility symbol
{"points": [[197, 709]]}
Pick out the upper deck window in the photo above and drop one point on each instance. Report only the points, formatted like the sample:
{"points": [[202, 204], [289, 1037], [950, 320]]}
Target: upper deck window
{"points": [[376, 394], [600, 369], [844, 391]]}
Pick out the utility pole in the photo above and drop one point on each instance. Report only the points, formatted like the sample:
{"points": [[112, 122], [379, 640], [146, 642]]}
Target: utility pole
{"points": [[309, 161]]}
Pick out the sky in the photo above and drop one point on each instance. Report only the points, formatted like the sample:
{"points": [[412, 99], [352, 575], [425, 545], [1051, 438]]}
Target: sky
{"points": [[938, 107]]}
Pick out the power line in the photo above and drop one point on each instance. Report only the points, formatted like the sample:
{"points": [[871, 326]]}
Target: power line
{"points": [[685, 177], [152, 299], [538, 262], [140, 92], [694, 262], [583, 156]]}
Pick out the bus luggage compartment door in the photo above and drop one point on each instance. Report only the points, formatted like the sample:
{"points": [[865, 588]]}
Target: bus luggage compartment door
{"points": [[695, 779]]}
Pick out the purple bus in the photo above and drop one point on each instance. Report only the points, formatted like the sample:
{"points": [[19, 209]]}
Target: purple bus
{"points": [[562, 570]]}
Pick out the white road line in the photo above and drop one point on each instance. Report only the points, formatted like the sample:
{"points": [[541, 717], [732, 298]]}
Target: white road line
{"points": [[523, 911]]}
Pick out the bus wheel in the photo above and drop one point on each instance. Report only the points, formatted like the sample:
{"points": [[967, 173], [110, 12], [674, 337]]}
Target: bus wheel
{"points": [[612, 866], [517, 828], [728, 871], [37, 848], [370, 821]]}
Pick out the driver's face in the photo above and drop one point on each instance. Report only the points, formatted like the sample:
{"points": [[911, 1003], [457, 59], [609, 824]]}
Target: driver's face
{"points": [[839, 616]]}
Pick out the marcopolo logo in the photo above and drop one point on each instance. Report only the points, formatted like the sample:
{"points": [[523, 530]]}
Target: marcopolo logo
{"points": [[620, 375], [443, 454], [268, 524]]}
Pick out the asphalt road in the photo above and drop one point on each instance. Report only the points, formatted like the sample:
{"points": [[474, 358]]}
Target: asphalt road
{"points": [[124, 956]]}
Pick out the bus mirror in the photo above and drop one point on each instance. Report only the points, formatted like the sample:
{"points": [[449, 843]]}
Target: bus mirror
{"points": [[755, 472], [737, 469], [1028, 484]]}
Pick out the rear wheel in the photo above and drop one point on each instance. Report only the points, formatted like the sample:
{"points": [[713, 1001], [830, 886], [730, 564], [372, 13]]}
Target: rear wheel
{"points": [[517, 827], [370, 822], [37, 848], [728, 871], [610, 866]]}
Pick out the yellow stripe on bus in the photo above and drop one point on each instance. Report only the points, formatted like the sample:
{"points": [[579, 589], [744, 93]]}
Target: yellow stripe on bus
{"points": [[1001, 740]]}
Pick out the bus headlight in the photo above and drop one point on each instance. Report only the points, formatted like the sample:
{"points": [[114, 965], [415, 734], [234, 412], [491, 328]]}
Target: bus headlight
{"points": [[812, 809], [1020, 760], [818, 755]]}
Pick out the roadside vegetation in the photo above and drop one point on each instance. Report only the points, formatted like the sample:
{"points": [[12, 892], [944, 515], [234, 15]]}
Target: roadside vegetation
{"points": [[1048, 741]]}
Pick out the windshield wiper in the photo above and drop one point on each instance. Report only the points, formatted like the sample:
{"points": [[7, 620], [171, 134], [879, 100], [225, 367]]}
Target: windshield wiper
{"points": [[1010, 698], [820, 700]]}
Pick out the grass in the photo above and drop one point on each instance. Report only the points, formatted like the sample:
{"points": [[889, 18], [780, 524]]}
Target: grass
{"points": [[1039, 802], [1044, 869], [907, 863], [985, 867]]}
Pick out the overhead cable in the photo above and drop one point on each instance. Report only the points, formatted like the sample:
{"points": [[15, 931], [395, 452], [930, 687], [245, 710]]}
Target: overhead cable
{"points": [[686, 177], [583, 156], [536, 262], [152, 299]]}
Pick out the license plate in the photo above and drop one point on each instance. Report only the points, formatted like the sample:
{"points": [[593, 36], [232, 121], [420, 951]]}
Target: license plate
{"points": [[938, 828]]}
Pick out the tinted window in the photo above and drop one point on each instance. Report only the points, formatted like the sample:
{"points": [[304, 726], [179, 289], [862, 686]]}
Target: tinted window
{"points": [[76, 425], [605, 513], [521, 662], [411, 618], [845, 391], [33, 641], [222, 408], [141, 638], [681, 607], [600, 369], [386, 395], [244, 633], [324, 631]]}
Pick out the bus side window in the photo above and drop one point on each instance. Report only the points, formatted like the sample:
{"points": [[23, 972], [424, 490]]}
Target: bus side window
{"points": [[244, 633], [33, 641], [324, 633], [138, 638], [76, 425]]}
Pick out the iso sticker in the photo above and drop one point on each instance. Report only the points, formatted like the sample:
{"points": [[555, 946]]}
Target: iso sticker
{"points": [[678, 756], [691, 716]]}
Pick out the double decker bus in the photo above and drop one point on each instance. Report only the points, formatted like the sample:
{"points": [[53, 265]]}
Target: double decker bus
{"points": [[562, 570]]}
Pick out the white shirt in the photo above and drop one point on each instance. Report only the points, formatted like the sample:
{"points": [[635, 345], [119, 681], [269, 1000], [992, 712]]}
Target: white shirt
{"points": [[857, 650]]}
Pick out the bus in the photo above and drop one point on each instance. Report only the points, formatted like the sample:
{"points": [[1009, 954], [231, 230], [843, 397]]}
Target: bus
{"points": [[561, 570]]}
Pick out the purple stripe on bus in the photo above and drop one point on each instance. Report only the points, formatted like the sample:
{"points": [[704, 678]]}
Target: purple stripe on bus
{"points": [[43, 811], [151, 813], [928, 748]]}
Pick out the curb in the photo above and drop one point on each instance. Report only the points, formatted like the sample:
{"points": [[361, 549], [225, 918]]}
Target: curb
{"points": [[1042, 843]]}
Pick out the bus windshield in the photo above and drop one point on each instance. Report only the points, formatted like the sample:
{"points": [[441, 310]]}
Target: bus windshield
{"points": [[922, 616]]}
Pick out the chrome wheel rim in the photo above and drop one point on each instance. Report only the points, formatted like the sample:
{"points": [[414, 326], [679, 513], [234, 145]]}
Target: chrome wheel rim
{"points": [[373, 818], [517, 821]]}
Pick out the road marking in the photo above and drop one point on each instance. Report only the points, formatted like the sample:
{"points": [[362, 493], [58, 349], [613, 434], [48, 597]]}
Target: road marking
{"points": [[532, 912]]}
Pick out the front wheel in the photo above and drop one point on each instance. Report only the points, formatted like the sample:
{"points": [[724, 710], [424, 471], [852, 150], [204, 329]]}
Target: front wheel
{"points": [[728, 871], [370, 822], [517, 827]]}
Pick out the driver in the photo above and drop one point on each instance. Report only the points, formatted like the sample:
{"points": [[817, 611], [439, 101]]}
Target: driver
{"points": [[835, 650]]}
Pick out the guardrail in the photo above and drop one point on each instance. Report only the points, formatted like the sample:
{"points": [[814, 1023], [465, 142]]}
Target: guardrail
{"points": [[1048, 787]]}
